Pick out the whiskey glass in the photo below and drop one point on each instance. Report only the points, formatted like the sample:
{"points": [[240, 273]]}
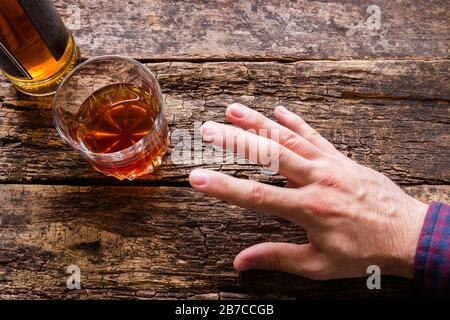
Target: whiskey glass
{"points": [[110, 109]]}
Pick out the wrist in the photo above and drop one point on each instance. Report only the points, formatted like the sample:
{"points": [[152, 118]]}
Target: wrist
{"points": [[415, 217]]}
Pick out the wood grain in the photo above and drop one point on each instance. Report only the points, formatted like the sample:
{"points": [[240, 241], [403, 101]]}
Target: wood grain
{"points": [[390, 115], [258, 30], [380, 95], [151, 242]]}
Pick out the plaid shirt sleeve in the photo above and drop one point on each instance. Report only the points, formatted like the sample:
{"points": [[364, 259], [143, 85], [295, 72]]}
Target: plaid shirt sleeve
{"points": [[432, 259]]}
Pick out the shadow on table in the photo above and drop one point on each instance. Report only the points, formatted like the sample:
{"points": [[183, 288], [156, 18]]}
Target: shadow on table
{"points": [[196, 243]]}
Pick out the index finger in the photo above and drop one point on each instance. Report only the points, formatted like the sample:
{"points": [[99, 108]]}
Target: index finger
{"points": [[250, 194]]}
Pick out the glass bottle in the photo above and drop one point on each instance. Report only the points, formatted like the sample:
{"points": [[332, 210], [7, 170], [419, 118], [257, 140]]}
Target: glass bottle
{"points": [[36, 48]]}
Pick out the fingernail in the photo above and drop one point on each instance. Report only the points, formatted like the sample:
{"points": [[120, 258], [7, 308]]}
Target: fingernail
{"points": [[198, 178], [247, 265], [208, 132], [238, 110], [283, 110]]}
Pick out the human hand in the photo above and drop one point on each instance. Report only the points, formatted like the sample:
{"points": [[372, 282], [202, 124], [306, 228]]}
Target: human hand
{"points": [[354, 216]]}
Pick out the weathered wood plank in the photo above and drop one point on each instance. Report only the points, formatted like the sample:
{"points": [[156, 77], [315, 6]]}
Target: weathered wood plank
{"points": [[252, 30], [390, 115], [150, 242]]}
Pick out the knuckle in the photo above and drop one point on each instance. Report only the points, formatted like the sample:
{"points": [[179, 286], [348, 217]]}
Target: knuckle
{"points": [[300, 124], [290, 140], [318, 268], [316, 271], [228, 186], [313, 135], [256, 195], [318, 205], [259, 121], [274, 262], [330, 180]]}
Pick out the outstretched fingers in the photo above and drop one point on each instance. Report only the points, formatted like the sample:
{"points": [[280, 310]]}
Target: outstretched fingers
{"points": [[259, 149], [249, 119]]}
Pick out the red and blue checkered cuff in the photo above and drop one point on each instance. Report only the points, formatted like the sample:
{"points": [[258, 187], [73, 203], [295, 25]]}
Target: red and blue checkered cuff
{"points": [[432, 260]]}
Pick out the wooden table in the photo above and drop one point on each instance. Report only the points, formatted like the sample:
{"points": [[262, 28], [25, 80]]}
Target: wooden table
{"points": [[380, 95]]}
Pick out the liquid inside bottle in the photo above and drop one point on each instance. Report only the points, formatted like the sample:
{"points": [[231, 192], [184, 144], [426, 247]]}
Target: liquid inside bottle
{"points": [[36, 49]]}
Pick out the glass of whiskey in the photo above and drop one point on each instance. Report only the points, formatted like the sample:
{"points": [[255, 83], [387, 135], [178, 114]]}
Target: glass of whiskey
{"points": [[110, 109]]}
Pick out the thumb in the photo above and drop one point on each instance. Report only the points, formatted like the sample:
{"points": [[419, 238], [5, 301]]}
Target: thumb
{"points": [[301, 259]]}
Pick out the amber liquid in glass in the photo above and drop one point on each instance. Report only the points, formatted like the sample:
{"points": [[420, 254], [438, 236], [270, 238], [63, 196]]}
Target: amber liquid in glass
{"points": [[117, 117]]}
